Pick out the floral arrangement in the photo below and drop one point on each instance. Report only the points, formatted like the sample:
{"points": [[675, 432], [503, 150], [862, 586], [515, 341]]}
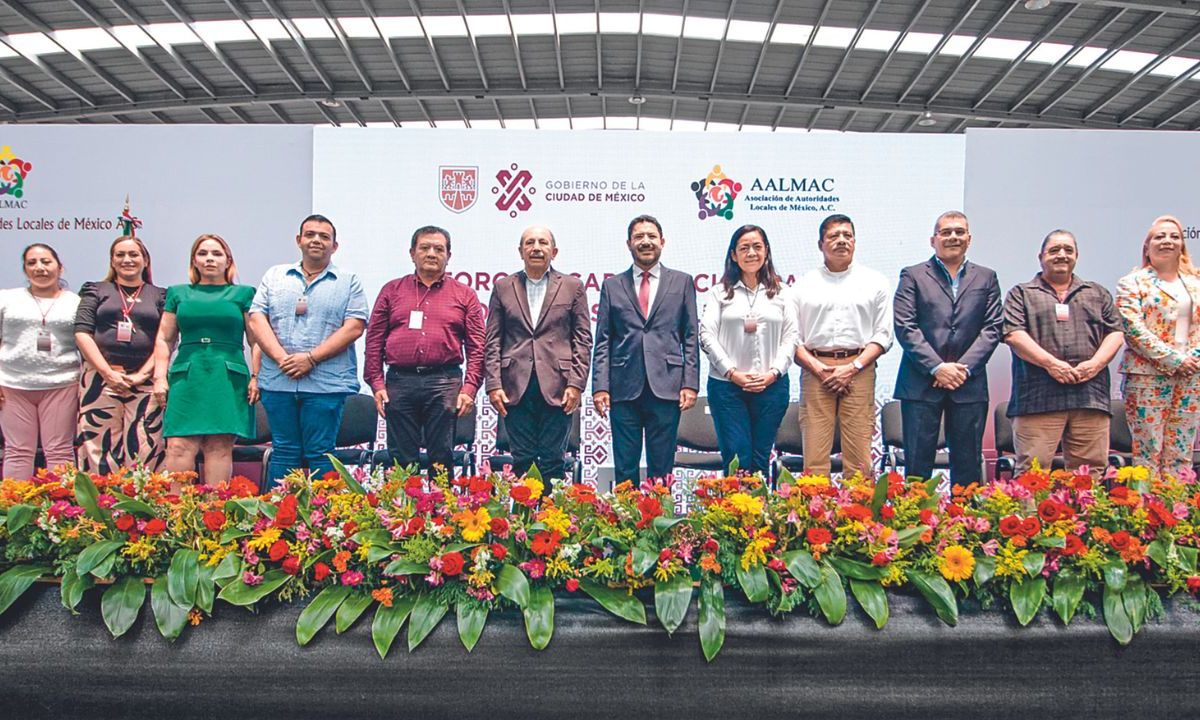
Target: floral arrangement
{"points": [[412, 548]]}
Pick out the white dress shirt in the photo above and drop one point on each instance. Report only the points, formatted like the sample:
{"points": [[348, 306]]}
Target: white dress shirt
{"points": [[843, 310], [725, 340], [655, 276], [535, 293]]}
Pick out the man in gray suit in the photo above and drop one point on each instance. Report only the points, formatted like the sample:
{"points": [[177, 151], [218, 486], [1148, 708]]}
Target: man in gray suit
{"points": [[948, 321], [536, 355], [647, 357]]}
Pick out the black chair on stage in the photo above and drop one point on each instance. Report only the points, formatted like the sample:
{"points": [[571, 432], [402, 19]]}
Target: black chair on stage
{"points": [[891, 427], [789, 443], [1006, 449], [697, 440], [571, 458], [463, 456], [357, 428]]}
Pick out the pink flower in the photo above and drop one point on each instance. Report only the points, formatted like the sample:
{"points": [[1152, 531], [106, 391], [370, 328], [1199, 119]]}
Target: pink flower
{"points": [[106, 500], [991, 547], [434, 578], [351, 578], [785, 490], [250, 578], [535, 568]]}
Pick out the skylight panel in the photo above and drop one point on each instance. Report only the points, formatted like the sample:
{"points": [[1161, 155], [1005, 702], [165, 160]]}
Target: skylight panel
{"points": [[576, 23], [791, 34], [172, 33], [535, 24], [919, 42], [82, 39], [132, 36], [33, 44], [444, 25], [751, 31], [486, 124], [1128, 61], [1048, 53], [452, 124], [7, 52], [668, 25], [881, 40], [1086, 56], [400, 26], [703, 28], [484, 25], [358, 27], [218, 31], [1174, 66], [314, 28], [269, 29], [722, 127], [619, 23], [519, 124], [753, 128], [958, 45], [1001, 49], [834, 37]]}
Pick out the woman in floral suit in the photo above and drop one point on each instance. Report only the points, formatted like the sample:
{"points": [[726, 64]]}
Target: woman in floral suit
{"points": [[1159, 304]]}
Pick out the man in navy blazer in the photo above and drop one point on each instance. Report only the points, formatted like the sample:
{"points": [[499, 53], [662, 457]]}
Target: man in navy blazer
{"points": [[948, 321], [646, 365]]}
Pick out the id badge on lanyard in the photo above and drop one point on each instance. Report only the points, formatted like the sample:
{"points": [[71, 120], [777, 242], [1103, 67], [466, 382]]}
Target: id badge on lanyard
{"points": [[43, 341], [124, 330]]}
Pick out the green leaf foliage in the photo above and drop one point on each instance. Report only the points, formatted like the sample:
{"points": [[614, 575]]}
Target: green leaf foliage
{"points": [[871, 596], [1116, 617], [803, 567], [856, 569], [350, 610], [88, 497], [1068, 592], [985, 569], [938, 593], [831, 595], [387, 623], [18, 517], [712, 616], [95, 554], [170, 617], [347, 478], [121, 603], [539, 617], [15, 581], [671, 600], [73, 587], [1026, 598], [615, 600], [318, 612], [754, 582], [426, 615], [512, 584], [472, 616], [239, 593], [183, 576]]}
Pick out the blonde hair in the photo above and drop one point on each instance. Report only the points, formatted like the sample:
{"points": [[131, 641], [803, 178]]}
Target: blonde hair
{"points": [[112, 272], [230, 270], [1185, 259]]}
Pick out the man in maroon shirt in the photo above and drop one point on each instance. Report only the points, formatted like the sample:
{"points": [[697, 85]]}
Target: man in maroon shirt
{"points": [[420, 326]]}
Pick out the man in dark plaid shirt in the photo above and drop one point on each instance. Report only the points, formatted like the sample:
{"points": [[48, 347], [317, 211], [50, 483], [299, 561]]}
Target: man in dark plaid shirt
{"points": [[1063, 332]]}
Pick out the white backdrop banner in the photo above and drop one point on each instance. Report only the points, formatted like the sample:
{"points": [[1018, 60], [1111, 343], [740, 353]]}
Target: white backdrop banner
{"points": [[485, 187], [1104, 186], [66, 186]]}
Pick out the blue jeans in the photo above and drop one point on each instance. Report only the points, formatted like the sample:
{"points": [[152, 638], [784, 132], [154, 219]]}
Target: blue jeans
{"points": [[304, 426], [747, 422]]}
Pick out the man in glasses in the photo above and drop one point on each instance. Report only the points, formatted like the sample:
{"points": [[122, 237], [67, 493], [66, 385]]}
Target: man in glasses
{"points": [[948, 322]]}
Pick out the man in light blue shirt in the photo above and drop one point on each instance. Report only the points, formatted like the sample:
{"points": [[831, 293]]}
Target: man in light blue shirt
{"points": [[306, 317]]}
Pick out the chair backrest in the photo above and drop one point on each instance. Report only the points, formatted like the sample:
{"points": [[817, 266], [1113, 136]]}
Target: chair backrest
{"points": [[1119, 438], [502, 446], [696, 429], [1004, 430], [359, 421], [574, 435], [464, 429], [790, 438], [891, 426], [262, 428]]}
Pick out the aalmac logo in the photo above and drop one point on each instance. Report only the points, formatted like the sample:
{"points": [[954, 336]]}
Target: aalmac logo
{"points": [[459, 187], [715, 194], [13, 172], [513, 191]]}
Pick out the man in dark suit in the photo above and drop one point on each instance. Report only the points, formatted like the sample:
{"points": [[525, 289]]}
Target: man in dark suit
{"points": [[647, 359], [536, 355], [948, 321]]}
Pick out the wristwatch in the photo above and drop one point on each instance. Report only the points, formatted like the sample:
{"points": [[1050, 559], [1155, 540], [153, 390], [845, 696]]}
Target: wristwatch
{"points": [[857, 365]]}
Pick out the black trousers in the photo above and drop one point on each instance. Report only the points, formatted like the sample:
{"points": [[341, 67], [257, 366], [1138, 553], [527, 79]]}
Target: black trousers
{"points": [[658, 421], [537, 433], [964, 438], [420, 413]]}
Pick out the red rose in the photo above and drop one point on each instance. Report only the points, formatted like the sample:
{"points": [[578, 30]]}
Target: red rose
{"points": [[124, 523], [857, 512], [452, 563], [1160, 515], [414, 526], [1120, 541], [1193, 584], [880, 560], [1010, 526], [349, 527], [285, 516], [926, 517], [372, 499], [954, 510], [62, 493], [711, 546], [818, 536], [777, 565], [155, 527], [1049, 511], [573, 584], [291, 565], [499, 527], [214, 520], [128, 488], [278, 551], [1030, 527], [1074, 545], [665, 555], [1119, 493], [479, 486], [499, 551], [886, 512], [1081, 482], [412, 486], [320, 571], [520, 493]]}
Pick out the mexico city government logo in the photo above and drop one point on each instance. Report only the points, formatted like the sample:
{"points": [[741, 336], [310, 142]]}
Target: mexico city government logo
{"points": [[13, 171], [458, 187], [513, 190], [715, 194]]}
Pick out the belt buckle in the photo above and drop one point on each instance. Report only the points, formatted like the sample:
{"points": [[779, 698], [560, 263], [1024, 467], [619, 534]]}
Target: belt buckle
{"points": [[205, 340]]}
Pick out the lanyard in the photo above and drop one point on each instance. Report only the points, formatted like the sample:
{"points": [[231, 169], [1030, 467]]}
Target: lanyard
{"points": [[128, 301], [45, 313]]}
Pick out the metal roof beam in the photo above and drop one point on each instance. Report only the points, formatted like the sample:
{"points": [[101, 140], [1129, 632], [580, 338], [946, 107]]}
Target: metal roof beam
{"points": [[1016, 63], [678, 48], [1171, 114], [98, 20], [562, 85], [804, 50], [712, 86], [1036, 85], [301, 43], [912, 22], [136, 18], [26, 88], [183, 17], [462, 11], [1192, 36], [933, 55], [862, 26], [345, 43], [69, 85], [1113, 49], [437, 61], [1000, 17], [762, 52]]}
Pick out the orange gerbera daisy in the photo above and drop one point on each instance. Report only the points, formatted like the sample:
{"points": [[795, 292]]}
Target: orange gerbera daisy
{"points": [[956, 563]]}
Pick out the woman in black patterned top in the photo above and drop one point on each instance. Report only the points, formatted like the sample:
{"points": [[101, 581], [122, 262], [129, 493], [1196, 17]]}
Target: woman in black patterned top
{"points": [[120, 424]]}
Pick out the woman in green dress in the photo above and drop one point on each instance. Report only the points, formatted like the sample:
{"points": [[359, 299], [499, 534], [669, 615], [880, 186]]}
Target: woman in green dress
{"points": [[208, 390]]}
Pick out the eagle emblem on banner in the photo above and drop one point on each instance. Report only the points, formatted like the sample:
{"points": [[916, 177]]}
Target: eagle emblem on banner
{"points": [[459, 187]]}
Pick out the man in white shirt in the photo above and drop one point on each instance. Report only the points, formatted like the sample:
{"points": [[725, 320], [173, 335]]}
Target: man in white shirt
{"points": [[844, 322]]}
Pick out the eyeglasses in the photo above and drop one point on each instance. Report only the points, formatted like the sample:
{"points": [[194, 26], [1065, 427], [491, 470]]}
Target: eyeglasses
{"points": [[953, 232]]}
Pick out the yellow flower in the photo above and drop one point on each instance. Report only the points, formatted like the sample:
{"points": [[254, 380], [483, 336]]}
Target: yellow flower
{"points": [[535, 486], [755, 553], [556, 520], [745, 504], [1137, 473], [815, 480], [474, 523], [557, 566], [265, 540], [1008, 561], [956, 563], [140, 550]]}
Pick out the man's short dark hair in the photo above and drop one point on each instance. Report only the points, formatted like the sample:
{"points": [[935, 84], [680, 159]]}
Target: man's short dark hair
{"points": [[643, 219], [319, 218], [1052, 233], [430, 230], [832, 220]]}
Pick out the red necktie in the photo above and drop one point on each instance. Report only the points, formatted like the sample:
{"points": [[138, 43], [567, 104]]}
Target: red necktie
{"points": [[644, 293]]}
